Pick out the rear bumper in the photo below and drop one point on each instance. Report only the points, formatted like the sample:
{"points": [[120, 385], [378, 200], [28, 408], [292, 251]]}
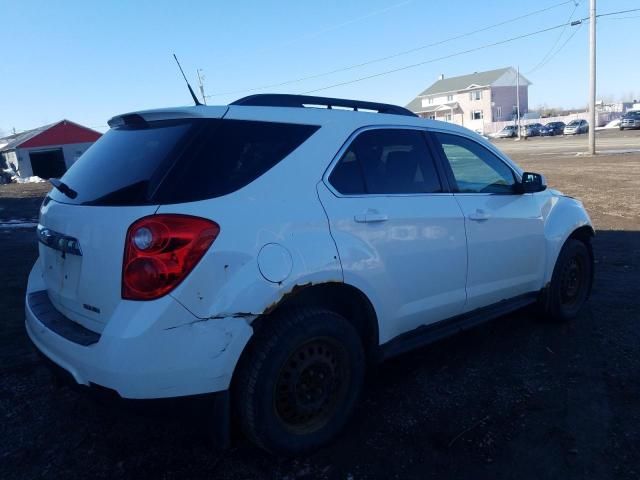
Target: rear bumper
{"points": [[166, 353]]}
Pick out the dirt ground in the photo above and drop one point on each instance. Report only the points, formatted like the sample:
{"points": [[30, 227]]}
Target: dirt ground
{"points": [[516, 398]]}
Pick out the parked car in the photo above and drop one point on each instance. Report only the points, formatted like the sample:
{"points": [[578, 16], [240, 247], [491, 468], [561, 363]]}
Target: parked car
{"points": [[575, 127], [508, 131], [241, 257], [552, 129], [530, 130], [630, 120]]}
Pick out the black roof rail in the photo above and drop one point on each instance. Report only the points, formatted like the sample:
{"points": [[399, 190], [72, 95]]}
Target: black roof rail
{"points": [[301, 101]]}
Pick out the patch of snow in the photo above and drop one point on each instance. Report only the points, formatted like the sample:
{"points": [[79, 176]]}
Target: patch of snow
{"points": [[33, 179], [610, 152], [612, 124], [17, 224]]}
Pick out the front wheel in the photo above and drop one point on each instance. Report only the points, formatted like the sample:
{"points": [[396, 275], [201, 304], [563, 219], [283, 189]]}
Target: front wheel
{"points": [[299, 382], [571, 282]]}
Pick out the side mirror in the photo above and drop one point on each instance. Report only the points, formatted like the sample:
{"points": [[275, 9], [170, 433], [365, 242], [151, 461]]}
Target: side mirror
{"points": [[531, 183]]}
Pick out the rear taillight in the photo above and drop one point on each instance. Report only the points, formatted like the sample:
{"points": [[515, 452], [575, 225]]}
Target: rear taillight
{"points": [[160, 251]]}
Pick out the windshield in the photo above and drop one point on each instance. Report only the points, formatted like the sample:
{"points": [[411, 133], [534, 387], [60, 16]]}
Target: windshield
{"points": [[173, 161]]}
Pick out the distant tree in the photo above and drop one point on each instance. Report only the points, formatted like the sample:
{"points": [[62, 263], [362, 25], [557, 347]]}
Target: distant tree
{"points": [[545, 111], [607, 99], [630, 96]]}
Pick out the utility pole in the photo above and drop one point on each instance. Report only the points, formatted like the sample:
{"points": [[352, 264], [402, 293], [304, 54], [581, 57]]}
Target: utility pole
{"points": [[592, 78], [518, 100], [200, 81]]}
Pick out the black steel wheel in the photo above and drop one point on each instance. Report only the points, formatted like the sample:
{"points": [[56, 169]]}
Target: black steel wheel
{"points": [[571, 281], [299, 380], [310, 384]]}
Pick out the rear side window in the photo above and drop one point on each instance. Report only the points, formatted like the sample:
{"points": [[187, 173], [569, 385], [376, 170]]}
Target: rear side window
{"points": [[179, 161], [386, 161], [225, 157]]}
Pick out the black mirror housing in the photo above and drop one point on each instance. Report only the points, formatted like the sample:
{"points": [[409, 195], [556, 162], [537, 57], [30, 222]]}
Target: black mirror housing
{"points": [[532, 183]]}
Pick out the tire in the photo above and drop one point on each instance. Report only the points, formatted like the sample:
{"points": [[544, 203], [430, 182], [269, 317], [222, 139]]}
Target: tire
{"points": [[571, 282], [300, 380]]}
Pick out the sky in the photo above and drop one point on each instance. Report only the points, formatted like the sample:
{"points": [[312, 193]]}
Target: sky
{"points": [[87, 61]]}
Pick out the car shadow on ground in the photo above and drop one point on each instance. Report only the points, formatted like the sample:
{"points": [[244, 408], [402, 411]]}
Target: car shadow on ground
{"points": [[517, 397]]}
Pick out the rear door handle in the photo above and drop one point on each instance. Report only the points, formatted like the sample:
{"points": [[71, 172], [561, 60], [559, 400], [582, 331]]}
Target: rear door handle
{"points": [[371, 217], [479, 216]]}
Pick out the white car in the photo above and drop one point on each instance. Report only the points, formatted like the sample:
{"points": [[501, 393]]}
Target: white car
{"points": [[267, 251]]}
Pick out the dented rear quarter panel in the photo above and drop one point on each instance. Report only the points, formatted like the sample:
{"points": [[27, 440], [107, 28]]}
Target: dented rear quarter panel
{"points": [[228, 281]]}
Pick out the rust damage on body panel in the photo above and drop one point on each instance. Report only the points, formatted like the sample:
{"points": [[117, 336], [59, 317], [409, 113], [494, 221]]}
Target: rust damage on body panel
{"points": [[249, 316], [291, 293]]}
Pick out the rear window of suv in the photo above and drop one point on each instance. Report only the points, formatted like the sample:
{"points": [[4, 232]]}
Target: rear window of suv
{"points": [[175, 161]]}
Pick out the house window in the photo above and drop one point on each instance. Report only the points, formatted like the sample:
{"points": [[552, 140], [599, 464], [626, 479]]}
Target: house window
{"points": [[430, 101], [499, 112], [476, 115], [475, 95], [432, 117], [447, 117], [449, 98]]}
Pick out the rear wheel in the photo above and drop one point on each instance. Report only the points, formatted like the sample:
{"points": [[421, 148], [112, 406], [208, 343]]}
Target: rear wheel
{"points": [[571, 282], [298, 384]]}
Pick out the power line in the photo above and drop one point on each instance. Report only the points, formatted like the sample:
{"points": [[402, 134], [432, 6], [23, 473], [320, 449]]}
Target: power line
{"points": [[406, 67], [624, 18], [618, 12], [475, 49], [394, 55], [544, 59], [558, 50], [317, 33]]}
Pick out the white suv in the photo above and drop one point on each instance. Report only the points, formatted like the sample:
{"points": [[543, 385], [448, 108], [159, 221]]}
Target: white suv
{"points": [[267, 251]]}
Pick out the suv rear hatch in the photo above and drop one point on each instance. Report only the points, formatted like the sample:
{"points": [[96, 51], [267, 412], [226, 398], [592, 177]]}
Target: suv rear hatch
{"points": [[83, 223], [135, 167]]}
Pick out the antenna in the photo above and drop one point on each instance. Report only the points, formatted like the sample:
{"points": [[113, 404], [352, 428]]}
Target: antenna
{"points": [[193, 95], [201, 83]]}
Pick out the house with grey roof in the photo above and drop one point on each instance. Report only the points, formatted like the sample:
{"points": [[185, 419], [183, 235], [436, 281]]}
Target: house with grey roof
{"points": [[475, 99]]}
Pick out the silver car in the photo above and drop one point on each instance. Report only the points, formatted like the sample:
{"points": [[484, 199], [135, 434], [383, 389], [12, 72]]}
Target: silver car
{"points": [[575, 127], [509, 131]]}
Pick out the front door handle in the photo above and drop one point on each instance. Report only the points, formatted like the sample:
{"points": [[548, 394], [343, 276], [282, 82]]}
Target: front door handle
{"points": [[371, 217], [479, 216]]}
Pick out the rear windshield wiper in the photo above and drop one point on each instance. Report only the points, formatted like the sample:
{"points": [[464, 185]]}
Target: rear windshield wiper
{"points": [[64, 188]]}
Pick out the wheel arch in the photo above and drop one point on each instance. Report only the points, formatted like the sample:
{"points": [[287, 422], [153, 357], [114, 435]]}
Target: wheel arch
{"points": [[568, 219], [339, 297], [342, 298]]}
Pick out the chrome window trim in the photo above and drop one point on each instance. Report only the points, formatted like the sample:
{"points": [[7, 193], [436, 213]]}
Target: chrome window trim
{"points": [[325, 177]]}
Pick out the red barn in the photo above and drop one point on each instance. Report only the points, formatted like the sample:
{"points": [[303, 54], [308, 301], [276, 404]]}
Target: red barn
{"points": [[46, 152]]}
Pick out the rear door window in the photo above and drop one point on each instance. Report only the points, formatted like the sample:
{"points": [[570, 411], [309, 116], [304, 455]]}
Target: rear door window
{"points": [[179, 161], [386, 161]]}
